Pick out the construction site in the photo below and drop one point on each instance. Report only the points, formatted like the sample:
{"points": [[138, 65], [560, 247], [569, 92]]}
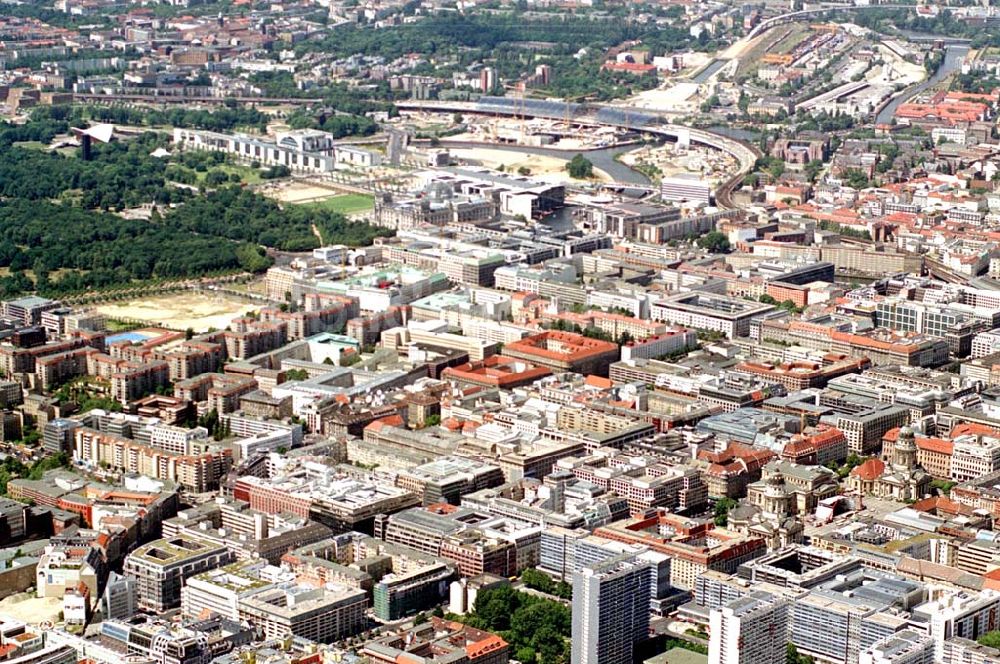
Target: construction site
{"points": [[518, 130]]}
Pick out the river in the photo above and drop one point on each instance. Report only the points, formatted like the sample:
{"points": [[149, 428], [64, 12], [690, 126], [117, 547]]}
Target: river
{"points": [[738, 133], [952, 61]]}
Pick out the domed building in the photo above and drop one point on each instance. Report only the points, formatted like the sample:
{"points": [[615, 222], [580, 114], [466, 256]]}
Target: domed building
{"points": [[902, 479], [771, 514]]}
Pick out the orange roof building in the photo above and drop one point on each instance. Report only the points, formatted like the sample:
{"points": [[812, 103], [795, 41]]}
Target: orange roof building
{"points": [[565, 351], [496, 371], [948, 113], [439, 641]]}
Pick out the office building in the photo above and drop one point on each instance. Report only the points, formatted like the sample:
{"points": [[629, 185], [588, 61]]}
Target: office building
{"points": [[323, 615], [707, 311], [417, 586], [159, 641], [161, 568], [686, 187], [120, 600]]}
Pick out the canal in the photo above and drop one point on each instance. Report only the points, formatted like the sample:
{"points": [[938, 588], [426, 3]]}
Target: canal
{"points": [[952, 61], [706, 73]]}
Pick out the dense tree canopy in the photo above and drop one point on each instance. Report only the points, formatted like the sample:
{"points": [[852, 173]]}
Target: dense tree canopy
{"points": [[120, 175], [56, 219], [537, 629], [241, 215], [580, 167], [497, 37]]}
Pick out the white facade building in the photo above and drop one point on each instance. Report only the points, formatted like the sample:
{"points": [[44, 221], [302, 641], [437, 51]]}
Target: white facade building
{"points": [[750, 630]]}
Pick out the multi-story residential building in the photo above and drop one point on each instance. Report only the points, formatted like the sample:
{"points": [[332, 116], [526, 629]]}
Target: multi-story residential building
{"points": [[961, 614], [192, 358], [830, 625], [749, 630], [967, 651], [197, 470], [59, 368], [134, 380], [220, 392], [906, 647], [162, 566], [610, 610], [249, 337], [17, 360]]}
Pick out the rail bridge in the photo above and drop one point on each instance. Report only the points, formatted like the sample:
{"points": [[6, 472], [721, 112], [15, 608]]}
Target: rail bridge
{"points": [[186, 99]]}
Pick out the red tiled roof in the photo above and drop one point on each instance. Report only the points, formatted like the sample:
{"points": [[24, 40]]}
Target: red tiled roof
{"points": [[391, 421], [938, 445], [869, 470]]}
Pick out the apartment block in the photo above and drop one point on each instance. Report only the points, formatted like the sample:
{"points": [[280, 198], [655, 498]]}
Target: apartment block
{"points": [[750, 630]]}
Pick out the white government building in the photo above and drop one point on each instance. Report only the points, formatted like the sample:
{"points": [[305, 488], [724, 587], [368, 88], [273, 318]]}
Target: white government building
{"points": [[303, 150]]}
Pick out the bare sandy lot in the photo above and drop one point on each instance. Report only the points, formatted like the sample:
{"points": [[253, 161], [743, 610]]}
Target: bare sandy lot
{"points": [[297, 192], [898, 71], [199, 311], [541, 167], [663, 161], [675, 97], [30, 609]]}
